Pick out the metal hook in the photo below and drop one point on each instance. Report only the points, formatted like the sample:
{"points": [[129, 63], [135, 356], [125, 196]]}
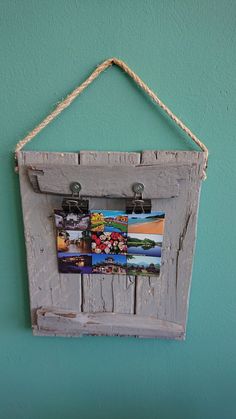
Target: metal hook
{"points": [[75, 188], [138, 205]]}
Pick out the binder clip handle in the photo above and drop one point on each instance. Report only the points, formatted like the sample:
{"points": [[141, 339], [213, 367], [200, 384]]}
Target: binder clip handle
{"points": [[75, 204], [138, 205]]}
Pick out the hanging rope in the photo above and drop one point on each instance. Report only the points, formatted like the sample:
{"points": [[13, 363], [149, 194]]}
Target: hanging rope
{"points": [[76, 92]]}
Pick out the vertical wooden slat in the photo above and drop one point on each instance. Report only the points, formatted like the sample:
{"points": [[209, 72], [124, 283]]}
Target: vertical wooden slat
{"points": [[171, 289], [47, 286], [108, 293]]}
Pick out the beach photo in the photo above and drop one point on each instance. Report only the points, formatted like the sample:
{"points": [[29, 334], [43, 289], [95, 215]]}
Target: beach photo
{"points": [[74, 263], [73, 241], [111, 221], [152, 223], [109, 264], [71, 221], [107, 242], [143, 265], [144, 244]]}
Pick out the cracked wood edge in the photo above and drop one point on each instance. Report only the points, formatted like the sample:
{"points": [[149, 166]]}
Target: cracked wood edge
{"points": [[47, 286], [171, 296], [68, 323], [167, 157], [108, 293], [159, 181], [107, 158], [173, 287]]}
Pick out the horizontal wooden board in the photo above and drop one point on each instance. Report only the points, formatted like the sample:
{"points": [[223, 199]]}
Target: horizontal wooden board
{"points": [[106, 181], [109, 158], [65, 322]]}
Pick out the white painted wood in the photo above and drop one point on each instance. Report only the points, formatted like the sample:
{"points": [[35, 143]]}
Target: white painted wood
{"points": [[47, 286], [107, 181], [106, 158], [170, 158], [69, 323], [148, 296], [103, 304], [172, 296], [108, 293]]}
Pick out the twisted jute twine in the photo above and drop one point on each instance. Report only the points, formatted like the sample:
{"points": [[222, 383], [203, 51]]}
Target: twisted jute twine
{"points": [[76, 92]]}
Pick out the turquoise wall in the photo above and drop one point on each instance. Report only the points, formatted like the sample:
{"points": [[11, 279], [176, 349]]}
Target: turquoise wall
{"points": [[185, 51]]}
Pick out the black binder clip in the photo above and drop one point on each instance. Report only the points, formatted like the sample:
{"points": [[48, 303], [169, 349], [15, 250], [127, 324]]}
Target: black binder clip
{"points": [[138, 205], [75, 204]]}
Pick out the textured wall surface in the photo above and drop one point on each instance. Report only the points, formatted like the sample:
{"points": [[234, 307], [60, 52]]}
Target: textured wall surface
{"points": [[185, 51]]}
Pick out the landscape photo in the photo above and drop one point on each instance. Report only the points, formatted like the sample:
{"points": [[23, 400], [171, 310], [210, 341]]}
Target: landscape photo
{"points": [[143, 265], [111, 221], [74, 263], [71, 221], [109, 264], [73, 241], [152, 223], [144, 244]]}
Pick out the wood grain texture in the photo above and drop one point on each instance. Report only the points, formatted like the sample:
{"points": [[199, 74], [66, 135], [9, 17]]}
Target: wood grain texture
{"points": [[69, 323], [47, 285], [111, 304], [108, 293], [108, 181], [109, 158], [172, 295]]}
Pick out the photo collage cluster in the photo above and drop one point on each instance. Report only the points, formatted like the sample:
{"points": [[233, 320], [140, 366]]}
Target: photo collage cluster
{"points": [[109, 242]]}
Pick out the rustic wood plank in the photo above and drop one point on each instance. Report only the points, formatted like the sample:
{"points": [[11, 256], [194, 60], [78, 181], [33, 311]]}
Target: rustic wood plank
{"points": [[99, 181], [162, 300], [98, 293], [106, 158], [46, 285], [69, 323], [108, 293], [171, 290], [186, 247], [104, 293], [148, 296], [170, 157]]}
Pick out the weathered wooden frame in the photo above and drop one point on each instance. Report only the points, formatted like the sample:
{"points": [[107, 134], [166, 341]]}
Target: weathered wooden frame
{"points": [[74, 305]]}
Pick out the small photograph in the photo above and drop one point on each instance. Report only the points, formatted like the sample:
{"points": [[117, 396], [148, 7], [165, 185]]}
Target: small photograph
{"points": [[143, 265], [74, 263], [113, 221], [144, 244], [152, 223], [109, 264], [72, 221], [109, 243], [73, 241]]}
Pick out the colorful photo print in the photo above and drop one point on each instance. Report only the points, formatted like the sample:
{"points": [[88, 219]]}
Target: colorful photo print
{"points": [[144, 244], [113, 221], [74, 263], [72, 221], [143, 265], [109, 264], [73, 241], [109, 243], [152, 223]]}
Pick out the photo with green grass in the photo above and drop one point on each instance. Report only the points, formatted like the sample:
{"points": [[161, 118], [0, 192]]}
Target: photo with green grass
{"points": [[110, 221]]}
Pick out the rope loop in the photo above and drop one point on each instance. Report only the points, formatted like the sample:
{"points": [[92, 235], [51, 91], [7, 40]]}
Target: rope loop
{"points": [[78, 90]]}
